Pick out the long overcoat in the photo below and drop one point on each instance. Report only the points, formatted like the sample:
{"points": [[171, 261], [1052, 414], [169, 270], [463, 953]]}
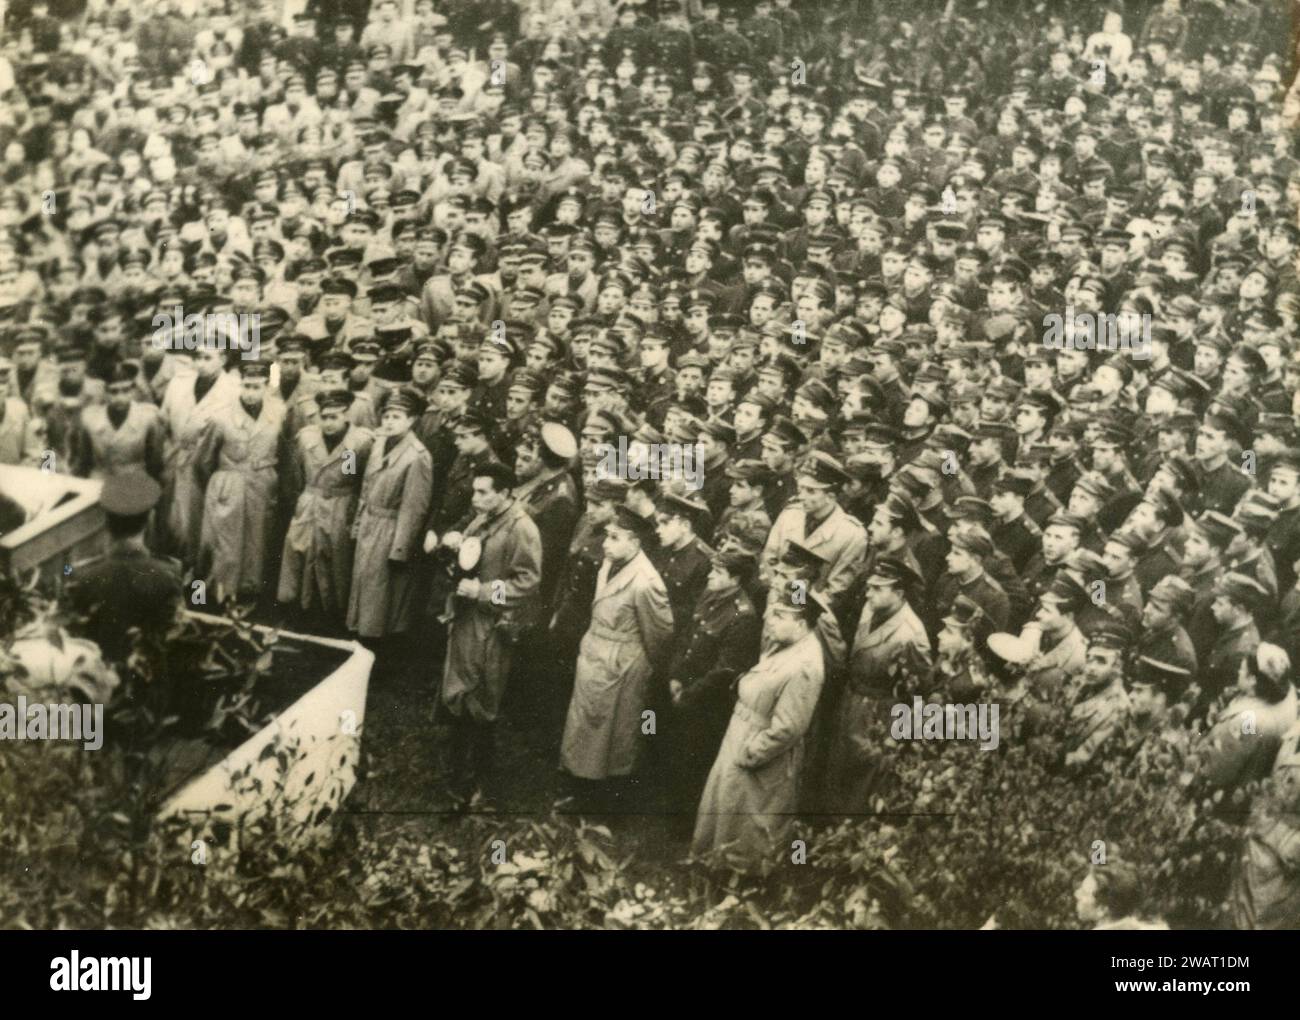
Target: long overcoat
{"points": [[859, 730], [316, 568], [631, 628], [186, 421], [479, 649], [239, 457], [753, 787], [388, 530]]}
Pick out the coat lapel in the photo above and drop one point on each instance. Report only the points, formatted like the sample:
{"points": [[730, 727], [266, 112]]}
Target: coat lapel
{"points": [[605, 587], [879, 635], [824, 531]]}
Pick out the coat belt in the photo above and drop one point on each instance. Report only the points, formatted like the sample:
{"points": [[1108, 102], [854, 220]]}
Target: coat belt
{"points": [[380, 511], [621, 637]]}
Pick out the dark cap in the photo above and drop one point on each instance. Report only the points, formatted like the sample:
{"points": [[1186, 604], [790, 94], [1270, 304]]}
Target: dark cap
{"points": [[129, 494]]}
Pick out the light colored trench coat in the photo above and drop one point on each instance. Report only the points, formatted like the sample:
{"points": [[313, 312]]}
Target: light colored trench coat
{"points": [[388, 529], [316, 568], [240, 457], [753, 788], [631, 624], [186, 421]]}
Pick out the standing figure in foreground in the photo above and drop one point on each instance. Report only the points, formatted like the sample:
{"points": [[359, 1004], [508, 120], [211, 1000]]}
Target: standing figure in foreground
{"points": [[395, 496], [329, 461], [631, 629], [484, 628], [753, 787]]}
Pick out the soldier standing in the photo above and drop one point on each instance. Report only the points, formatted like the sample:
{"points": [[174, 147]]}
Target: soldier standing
{"points": [[236, 465], [324, 478], [485, 623], [719, 643]]}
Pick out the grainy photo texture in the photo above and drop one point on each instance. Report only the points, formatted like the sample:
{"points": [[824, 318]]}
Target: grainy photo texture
{"points": [[567, 464]]}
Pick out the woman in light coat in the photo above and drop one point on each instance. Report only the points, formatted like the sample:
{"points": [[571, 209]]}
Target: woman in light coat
{"points": [[753, 787]]}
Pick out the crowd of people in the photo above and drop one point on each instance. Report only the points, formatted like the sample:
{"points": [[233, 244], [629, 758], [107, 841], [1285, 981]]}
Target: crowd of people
{"points": [[510, 266]]}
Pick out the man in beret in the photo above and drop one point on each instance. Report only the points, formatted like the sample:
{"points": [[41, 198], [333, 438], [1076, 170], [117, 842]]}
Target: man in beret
{"points": [[1014, 532], [1099, 701], [473, 433], [1155, 522], [1238, 599], [682, 557], [1062, 648], [1163, 635], [1283, 536], [965, 575], [238, 464], [1222, 482]]}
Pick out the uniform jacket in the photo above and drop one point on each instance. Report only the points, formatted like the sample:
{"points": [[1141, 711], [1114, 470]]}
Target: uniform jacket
{"points": [[1047, 672], [684, 572], [840, 539], [1244, 740], [1266, 879], [551, 500], [125, 588], [1094, 718], [20, 435], [884, 650], [138, 443]]}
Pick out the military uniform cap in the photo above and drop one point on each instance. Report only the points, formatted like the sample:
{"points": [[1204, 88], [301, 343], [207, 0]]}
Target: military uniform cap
{"points": [[785, 433], [1105, 631], [1242, 589], [892, 572], [1066, 592], [129, 494], [341, 399], [970, 508], [629, 520], [1170, 678], [796, 554], [461, 374], [1175, 593], [823, 469], [1016, 480]]}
